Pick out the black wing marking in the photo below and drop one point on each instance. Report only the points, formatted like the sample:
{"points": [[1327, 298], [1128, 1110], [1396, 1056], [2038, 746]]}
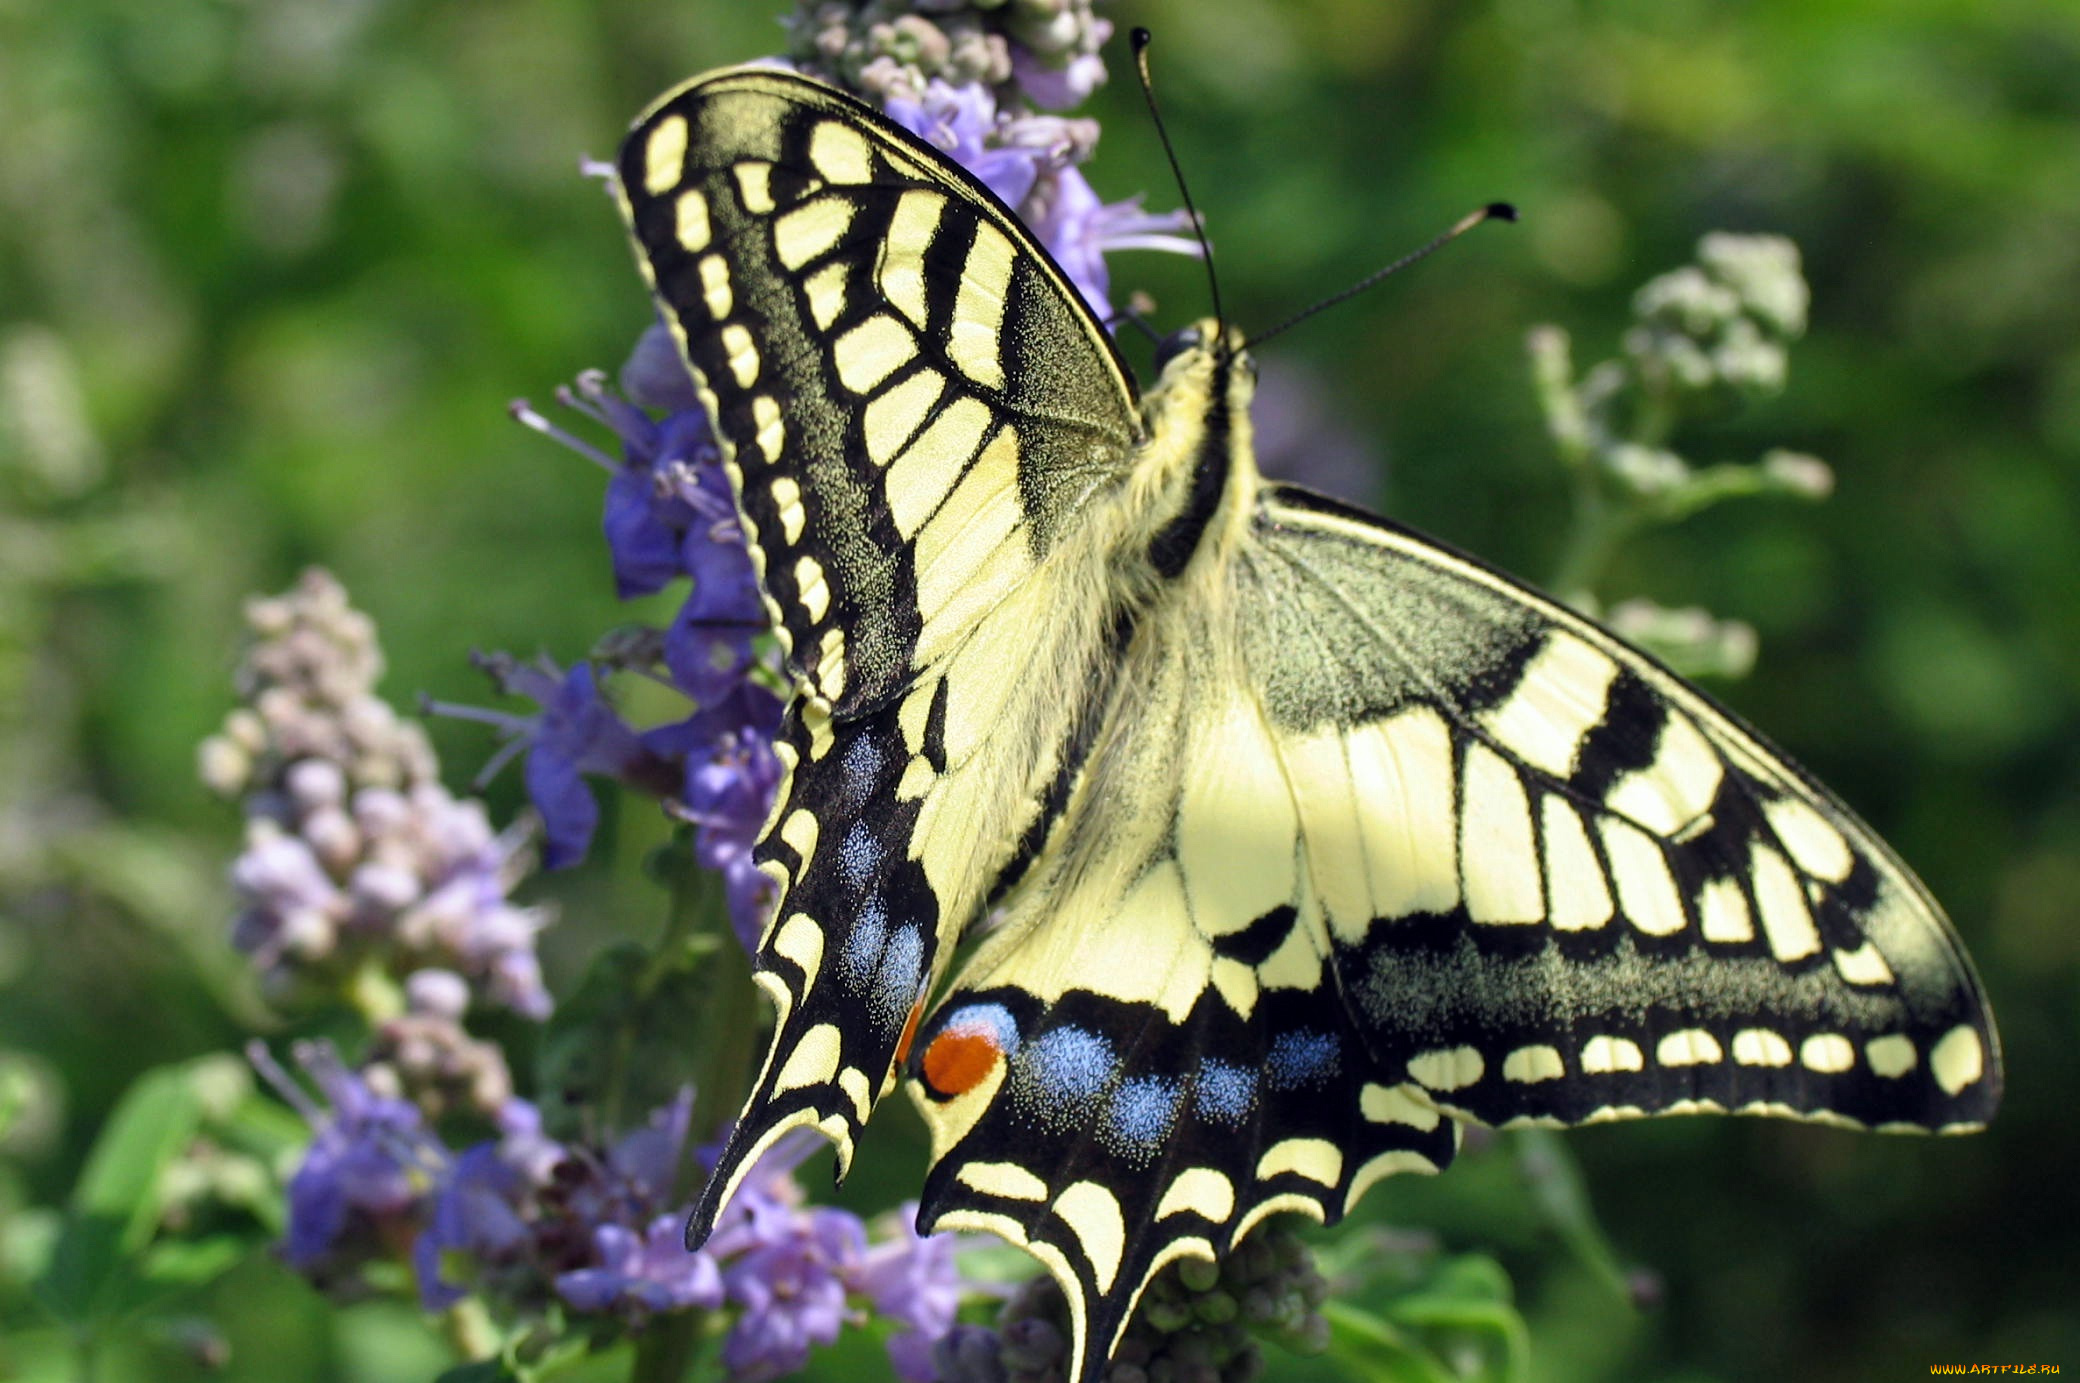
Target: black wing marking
{"points": [[1562, 884]]}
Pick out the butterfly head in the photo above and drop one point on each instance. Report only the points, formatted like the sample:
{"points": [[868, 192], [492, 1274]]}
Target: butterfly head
{"points": [[1207, 359]]}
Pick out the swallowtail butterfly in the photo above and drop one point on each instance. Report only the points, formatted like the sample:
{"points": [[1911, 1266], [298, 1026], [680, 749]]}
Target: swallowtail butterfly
{"points": [[1307, 838]]}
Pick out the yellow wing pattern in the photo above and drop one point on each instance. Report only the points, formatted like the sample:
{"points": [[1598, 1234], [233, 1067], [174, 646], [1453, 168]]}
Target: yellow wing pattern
{"points": [[1307, 838]]}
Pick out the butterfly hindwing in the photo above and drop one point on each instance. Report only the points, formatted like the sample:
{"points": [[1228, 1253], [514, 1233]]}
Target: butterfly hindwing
{"points": [[1147, 1056], [1561, 884], [1388, 842], [1109, 1137]]}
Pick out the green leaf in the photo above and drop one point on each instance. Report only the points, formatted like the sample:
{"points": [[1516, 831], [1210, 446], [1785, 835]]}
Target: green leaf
{"points": [[174, 1266], [1375, 1350], [1466, 1306], [1456, 1322], [115, 1204]]}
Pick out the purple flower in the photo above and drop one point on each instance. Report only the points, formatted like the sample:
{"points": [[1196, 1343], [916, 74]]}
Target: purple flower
{"points": [[483, 1218], [477, 1218], [576, 733], [647, 510], [1056, 84], [791, 1286], [360, 1187], [647, 1159], [655, 377], [731, 775], [1079, 231], [962, 120], [669, 513], [708, 647], [653, 1271], [913, 1279], [293, 908]]}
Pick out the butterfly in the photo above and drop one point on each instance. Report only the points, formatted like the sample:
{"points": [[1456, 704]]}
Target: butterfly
{"points": [[1201, 848]]}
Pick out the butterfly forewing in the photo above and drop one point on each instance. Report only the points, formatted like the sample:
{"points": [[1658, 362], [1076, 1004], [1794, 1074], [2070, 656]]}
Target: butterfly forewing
{"points": [[912, 409], [912, 404], [1561, 885]]}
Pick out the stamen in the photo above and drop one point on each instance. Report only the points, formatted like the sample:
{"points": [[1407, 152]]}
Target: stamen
{"points": [[523, 412]]}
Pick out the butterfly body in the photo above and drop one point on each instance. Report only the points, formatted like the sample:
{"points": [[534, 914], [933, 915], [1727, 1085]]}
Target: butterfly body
{"points": [[1279, 840]]}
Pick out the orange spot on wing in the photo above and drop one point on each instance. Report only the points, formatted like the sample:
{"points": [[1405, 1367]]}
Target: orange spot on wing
{"points": [[909, 1031], [957, 1062]]}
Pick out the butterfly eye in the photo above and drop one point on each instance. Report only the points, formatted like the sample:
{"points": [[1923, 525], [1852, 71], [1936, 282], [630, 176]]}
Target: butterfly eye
{"points": [[1177, 343]]}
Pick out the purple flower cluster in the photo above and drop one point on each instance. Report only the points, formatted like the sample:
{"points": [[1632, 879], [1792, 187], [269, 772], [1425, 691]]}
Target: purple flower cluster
{"points": [[360, 868], [522, 1220], [361, 1188], [668, 514], [520, 1217]]}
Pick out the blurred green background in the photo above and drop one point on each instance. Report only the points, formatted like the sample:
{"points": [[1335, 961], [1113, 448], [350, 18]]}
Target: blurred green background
{"points": [[271, 270]]}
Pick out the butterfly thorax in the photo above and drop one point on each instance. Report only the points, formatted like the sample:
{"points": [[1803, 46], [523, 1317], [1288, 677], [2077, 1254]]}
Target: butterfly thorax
{"points": [[1188, 495]]}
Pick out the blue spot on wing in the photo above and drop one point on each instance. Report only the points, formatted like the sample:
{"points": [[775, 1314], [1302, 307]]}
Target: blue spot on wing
{"points": [[1302, 1058], [992, 1021], [861, 767], [901, 975], [863, 946], [1143, 1112], [1224, 1094], [1060, 1073], [859, 855]]}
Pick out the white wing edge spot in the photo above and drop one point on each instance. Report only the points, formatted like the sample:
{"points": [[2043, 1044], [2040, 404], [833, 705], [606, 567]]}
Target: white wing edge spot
{"points": [[1006, 1180], [1604, 1055], [1760, 1047], [1829, 1053], [664, 155], [1317, 1159], [1448, 1068], [1957, 1059], [690, 214], [1530, 1065], [1891, 1056], [1202, 1191], [1689, 1047]]}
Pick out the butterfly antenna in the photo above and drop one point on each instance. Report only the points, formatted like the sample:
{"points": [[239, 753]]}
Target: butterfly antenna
{"points": [[1140, 39], [1135, 315], [1493, 211]]}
